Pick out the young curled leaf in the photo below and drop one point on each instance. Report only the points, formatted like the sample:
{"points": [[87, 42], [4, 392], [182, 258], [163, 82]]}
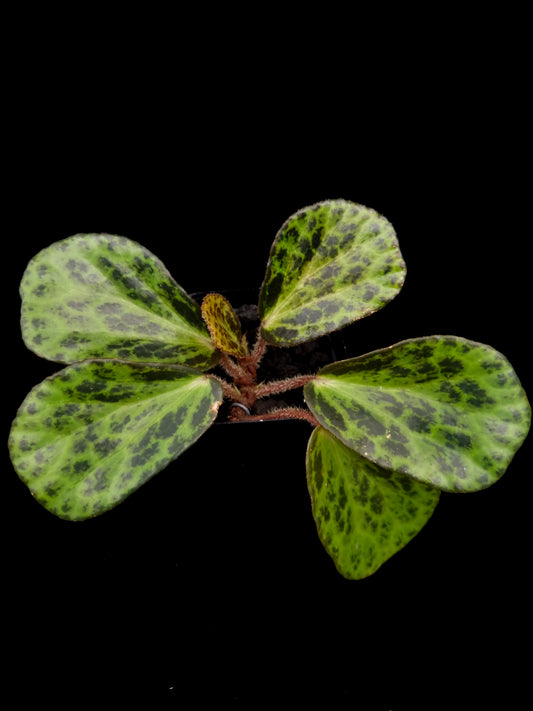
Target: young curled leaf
{"points": [[331, 263], [447, 411], [364, 514], [224, 325], [104, 296], [90, 435]]}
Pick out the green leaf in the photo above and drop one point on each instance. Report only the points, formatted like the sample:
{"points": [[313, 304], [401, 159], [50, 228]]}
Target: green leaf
{"points": [[90, 435], [446, 411], [224, 325], [364, 514], [103, 296], [331, 263]]}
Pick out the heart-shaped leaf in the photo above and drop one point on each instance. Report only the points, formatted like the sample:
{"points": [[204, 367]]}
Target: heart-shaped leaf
{"points": [[364, 514], [224, 325], [447, 411], [92, 296], [90, 435], [331, 263]]}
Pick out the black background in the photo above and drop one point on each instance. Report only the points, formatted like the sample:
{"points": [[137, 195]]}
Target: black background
{"points": [[210, 584]]}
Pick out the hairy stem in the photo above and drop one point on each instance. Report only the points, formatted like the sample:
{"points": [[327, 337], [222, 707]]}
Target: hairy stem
{"points": [[245, 390], [284, 413], [282, 386], [259, 349], [233, 369]]}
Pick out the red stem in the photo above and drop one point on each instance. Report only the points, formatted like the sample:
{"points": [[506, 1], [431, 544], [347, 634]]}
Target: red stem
{"points": [[259, 349], [233, 369], [281, 386], [246, 391], [284, 413]]}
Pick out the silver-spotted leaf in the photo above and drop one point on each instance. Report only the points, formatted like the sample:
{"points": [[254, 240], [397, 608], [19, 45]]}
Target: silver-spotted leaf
{"points": [[224, 325], [104, 296], [90, 435], [363, 513], [330, 264], [447, 411]]}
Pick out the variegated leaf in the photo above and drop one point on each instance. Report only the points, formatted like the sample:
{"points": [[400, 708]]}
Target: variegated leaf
{"points": [[103, 296], [331, 263], [224, 325], [446, 411], [364, 514], [90, 435]]}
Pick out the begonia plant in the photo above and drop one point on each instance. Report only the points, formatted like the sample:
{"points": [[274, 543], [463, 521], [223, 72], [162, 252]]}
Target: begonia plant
{"points": [[147, 368]]}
